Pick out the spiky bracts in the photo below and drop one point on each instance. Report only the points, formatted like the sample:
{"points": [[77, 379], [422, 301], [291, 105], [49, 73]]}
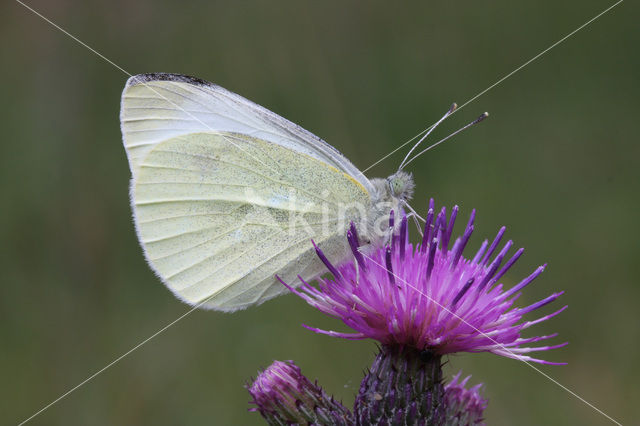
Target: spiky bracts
{"points": [[284, 396], [402, 387]]}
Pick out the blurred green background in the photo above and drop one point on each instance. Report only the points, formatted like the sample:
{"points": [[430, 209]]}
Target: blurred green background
{"points": [[557, 162]]}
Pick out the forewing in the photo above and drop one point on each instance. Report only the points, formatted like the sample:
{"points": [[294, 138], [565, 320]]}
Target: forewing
{"points": [[219, 214], [156, 107]]}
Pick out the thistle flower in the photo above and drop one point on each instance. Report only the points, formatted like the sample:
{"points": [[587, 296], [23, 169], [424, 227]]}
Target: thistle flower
{"points": [[284, 396], [422, 302], [428, 296], [463, 406]]}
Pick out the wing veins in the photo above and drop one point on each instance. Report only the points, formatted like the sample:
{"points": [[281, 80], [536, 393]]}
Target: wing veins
{"points": [[231, 230], [145, 222], [166, 89], [137, 119], [289, 184], [166, 108]]}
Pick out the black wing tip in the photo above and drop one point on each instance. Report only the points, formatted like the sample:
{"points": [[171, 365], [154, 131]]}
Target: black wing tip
{"points": [[163, 76]]}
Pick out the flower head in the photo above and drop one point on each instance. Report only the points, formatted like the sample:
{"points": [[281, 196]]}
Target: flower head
{"points": [[429, 296], [463, 406], [283, 395]]}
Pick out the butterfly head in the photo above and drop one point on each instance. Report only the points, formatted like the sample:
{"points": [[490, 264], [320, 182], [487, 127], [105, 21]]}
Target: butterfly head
{"points": [[401, 185]]}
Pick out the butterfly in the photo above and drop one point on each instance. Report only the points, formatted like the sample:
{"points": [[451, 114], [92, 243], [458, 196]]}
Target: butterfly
{"points": [[226, 194]]}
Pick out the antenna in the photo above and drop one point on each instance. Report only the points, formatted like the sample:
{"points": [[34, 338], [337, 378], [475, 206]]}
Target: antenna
{"points": [[453, 108], [476, 121]]}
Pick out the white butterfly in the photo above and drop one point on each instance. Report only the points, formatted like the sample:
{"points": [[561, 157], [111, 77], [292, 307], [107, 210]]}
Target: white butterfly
{"points": [[226, 194]]}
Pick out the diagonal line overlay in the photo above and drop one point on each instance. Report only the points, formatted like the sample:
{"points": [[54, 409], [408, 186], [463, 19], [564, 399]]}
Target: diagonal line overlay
{"points": [[498, 82], [195, 307]]}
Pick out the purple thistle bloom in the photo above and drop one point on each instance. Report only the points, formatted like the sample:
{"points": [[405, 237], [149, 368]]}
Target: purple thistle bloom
{"points": [[283, 395], [463, 406], [429, 296]]}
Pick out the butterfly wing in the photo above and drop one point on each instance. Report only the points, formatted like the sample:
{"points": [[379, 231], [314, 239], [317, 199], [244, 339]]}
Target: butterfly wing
{"points": [[158, 106], [219, 214]]}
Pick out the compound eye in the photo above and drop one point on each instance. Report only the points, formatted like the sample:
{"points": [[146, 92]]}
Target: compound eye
{"points": [[396, 186]]}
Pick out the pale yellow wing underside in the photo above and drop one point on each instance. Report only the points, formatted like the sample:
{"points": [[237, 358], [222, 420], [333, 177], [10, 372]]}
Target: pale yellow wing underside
{"points": [[219, 214]]}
